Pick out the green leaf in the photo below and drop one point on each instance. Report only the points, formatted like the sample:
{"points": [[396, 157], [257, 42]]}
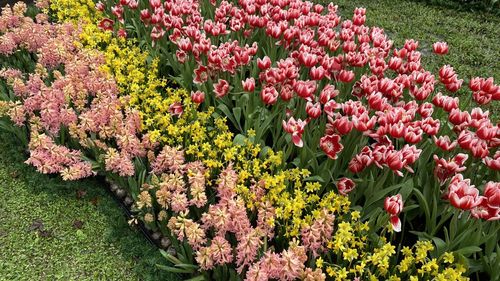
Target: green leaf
{"points": [[314, 178], [173, 269], [197, 278], [239, 139], [468, 250]]}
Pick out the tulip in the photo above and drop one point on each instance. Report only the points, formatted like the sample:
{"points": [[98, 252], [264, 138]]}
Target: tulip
{"points": [[394, 206], [145, 16], [484, 211], [264, 63], [493, 163], [444, 143], [248, 84], [122, 33], [328, 92], [155, 4], [198, 96], [176, 109], [221, 88], [440, 48], [345, 186], [269, 95], [313, 110], [330, 144], [100, 6], [106, 24], [461, 194], [296, 129], [492, 194], [346, 76], [305, 89]]}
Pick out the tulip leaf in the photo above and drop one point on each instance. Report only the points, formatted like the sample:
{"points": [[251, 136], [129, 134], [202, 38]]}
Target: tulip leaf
{"points": [[468, 250]]}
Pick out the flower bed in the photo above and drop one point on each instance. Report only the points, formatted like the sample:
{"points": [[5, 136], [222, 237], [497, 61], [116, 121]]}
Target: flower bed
{"points": [[266, 139]]}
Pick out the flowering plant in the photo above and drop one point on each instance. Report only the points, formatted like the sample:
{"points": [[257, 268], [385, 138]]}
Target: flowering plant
{"points": [[235, 178]]}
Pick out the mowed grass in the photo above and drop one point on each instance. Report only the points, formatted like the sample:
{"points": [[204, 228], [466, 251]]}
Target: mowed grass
{"points": [[56, 230], [473, 37]]}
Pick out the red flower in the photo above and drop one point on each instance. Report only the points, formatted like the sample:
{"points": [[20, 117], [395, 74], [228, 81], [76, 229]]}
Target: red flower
{"points": [[201, 74], [198, 96], [305, 89], [461, 194], [100, 6], [296, 128], [394, 206], [221, 88], [313, 110], [264, 63], [122, 33], [106, 24], [492, 194], [345, 186], [248, 84], [331, 145], [440, 48], [269, 95], [175, 109], [484, 211], [444, 143]]}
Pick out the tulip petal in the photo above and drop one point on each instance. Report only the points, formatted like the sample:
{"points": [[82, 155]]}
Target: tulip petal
{"points": [[396, 223]]}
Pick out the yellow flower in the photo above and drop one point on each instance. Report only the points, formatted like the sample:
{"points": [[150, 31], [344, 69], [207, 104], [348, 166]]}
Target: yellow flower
{"points": [[319, 262]]}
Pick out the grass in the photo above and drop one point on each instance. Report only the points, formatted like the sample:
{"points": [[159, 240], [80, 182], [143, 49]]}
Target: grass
{"points": [[473, 37], [56, 230]]}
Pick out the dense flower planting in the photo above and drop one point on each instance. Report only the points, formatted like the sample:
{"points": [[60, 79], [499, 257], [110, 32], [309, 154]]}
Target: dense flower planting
{"points": [[270, 140]]}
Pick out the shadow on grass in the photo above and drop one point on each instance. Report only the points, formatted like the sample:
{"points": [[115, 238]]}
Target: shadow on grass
{"points": [[66, 230]]}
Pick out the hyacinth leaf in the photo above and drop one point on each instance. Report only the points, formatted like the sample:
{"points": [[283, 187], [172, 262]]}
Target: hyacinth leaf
{"points": [[170, 257], [197, 278], [174, 270]]}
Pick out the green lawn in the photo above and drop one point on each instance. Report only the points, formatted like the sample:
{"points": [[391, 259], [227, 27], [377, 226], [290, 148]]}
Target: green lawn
{"points": [[473, 37], [51, 230]]}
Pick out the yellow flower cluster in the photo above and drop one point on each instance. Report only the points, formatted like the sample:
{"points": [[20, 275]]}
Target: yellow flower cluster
{"points": [[351, 250], [74, 10]]}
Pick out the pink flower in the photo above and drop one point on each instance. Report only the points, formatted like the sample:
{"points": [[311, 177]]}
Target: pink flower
{"points": [[440, 48], [394, 206], [345, 186], [175, 109], [198, 96], [461, 194], [330, 144], [269, 95], [122, 33], [484, 211], [106, 24], [492, 194], [296, 128], [248, 84], [305, 89], [221, 88], [313, 110], [264, 63], [100, 6], [444, 143]]}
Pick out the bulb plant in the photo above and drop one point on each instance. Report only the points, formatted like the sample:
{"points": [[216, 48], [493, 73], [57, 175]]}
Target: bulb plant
{"points": [[267, 139]]}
